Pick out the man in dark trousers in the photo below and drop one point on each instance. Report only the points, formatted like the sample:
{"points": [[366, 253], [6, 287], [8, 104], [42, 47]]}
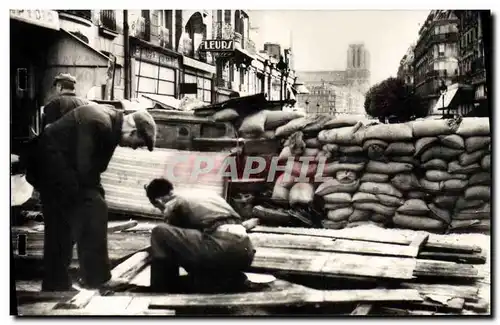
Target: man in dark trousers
{"points": [[202, 233], [65, 101], [71, 155]]}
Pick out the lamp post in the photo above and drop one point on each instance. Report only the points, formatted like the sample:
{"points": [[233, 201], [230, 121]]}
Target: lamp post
{"points": [[443, 90]]}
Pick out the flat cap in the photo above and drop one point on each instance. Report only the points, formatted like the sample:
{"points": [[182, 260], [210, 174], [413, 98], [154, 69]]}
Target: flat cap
{"points": [[65, 76], [146, 127]]}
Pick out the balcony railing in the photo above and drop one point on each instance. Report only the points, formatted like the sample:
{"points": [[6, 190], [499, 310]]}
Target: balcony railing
{"points": [[86, 14], [223, 31], [108, 19]]}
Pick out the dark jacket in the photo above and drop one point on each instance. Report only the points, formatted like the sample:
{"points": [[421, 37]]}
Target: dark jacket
{"points": [[77, 148], [60, 105]]}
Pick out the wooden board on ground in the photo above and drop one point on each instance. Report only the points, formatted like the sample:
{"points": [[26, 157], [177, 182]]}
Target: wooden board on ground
{"points": [[297, 295], [380, 236]]}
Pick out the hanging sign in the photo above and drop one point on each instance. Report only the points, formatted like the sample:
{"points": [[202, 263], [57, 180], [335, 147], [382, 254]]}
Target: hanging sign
{"points": [[218, 45]]}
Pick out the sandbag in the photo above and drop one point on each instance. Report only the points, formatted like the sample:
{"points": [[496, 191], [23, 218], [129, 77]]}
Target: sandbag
{"points": [[453, 141], [406, 159], [337, 198], [436, 164], [270, 215], [334, 186], [445, 201], [375, 177], [352, 135], [359, 215], [486, 162], [414, 207], [291, 127], [481, 178], [429, 128], [280, 193], [285, 180], [389, 200], [334, 206], [376, 207], [339, 214], [431, 187], [478, 192], [417, 222], [275, 119], [440, 214], [346, 176], [295, 169], [463, 203], [350, 149], [329, 224], [285, 154], [454, 167], [454, 185], [481, 212], [380, 188], [440, 152], [296, 143], [471, 126], [471, 158], [376, 153], [423, 144], [301, 193], [400, 149], [476, 143], [362, 197], [334, 167], [313, 143], [440, 175], [322, 155], [389, 132], [225, 115], [375, 142], [330, 147], [317, 121], [343, 121], [416, 195], [351, 159], [254, 123], [405, 182], [390, 168], [311, 152], [379, 218]]}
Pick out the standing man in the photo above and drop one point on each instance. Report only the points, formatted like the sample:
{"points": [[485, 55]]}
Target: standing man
{"points": [[65, 101], [202, 233], [70, 156]]}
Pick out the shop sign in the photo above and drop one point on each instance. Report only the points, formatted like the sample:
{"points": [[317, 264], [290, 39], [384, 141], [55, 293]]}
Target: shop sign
{"points": [[219, 45], [155, 57], [43, 18]]}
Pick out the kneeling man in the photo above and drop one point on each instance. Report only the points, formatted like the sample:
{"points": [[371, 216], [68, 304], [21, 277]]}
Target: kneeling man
{"points": [[202, 233]]}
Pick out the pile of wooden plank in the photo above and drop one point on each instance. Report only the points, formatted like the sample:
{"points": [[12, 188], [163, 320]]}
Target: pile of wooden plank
{"points": [[319, 271]]}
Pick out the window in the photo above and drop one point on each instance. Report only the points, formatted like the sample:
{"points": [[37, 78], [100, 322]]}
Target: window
{"points": [[441, 49], [204, 86], [153, 79]]}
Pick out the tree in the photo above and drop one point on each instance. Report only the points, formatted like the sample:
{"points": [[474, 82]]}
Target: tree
{"points": [[392, 98]]}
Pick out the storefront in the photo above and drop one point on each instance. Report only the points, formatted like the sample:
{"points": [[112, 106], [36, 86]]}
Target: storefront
{"points": [[201, 74], [156, 70]]}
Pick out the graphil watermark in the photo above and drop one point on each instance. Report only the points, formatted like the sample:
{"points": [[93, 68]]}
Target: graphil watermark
{"points": [[303, 169]]}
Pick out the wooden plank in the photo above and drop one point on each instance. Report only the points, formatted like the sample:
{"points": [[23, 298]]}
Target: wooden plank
{"points": [[79, 301], [446, 269], [35, 309], [121, 226], [379, 236], [454, 290], [454, 257], [299, 295], [417, 243], [140, 306], [100, 305], [362, 309], [328, 244], [322, 263], [406, 312], [143, 278]]}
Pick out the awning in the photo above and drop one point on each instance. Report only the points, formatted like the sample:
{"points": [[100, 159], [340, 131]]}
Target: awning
{"points": [[43, 18], [445, 100]]}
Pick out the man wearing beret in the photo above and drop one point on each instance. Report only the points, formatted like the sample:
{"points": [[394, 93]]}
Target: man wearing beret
{"points": [[65, 101], [70, 156]]}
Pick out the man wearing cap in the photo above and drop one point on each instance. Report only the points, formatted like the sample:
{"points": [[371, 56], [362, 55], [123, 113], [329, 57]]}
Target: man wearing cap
{"points": [[65, 101], [71, 155]]}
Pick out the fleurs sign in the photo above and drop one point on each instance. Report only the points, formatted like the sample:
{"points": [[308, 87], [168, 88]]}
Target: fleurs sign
{"points": [[218, 45]]}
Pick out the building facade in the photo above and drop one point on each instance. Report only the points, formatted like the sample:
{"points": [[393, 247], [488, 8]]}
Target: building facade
{"points": [[436, 59], [123, 54], [405, 70]]}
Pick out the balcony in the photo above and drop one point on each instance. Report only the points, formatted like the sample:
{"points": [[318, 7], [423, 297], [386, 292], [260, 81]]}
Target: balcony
{"points": [[83, 17], [138, 29], [107, 23], [164, 36], [223, 31], [249, 45], [441, 38], [238, 39]]}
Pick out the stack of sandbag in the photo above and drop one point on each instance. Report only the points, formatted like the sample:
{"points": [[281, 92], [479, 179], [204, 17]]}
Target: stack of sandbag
{"points": [[388, 175], [473, 207]]}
